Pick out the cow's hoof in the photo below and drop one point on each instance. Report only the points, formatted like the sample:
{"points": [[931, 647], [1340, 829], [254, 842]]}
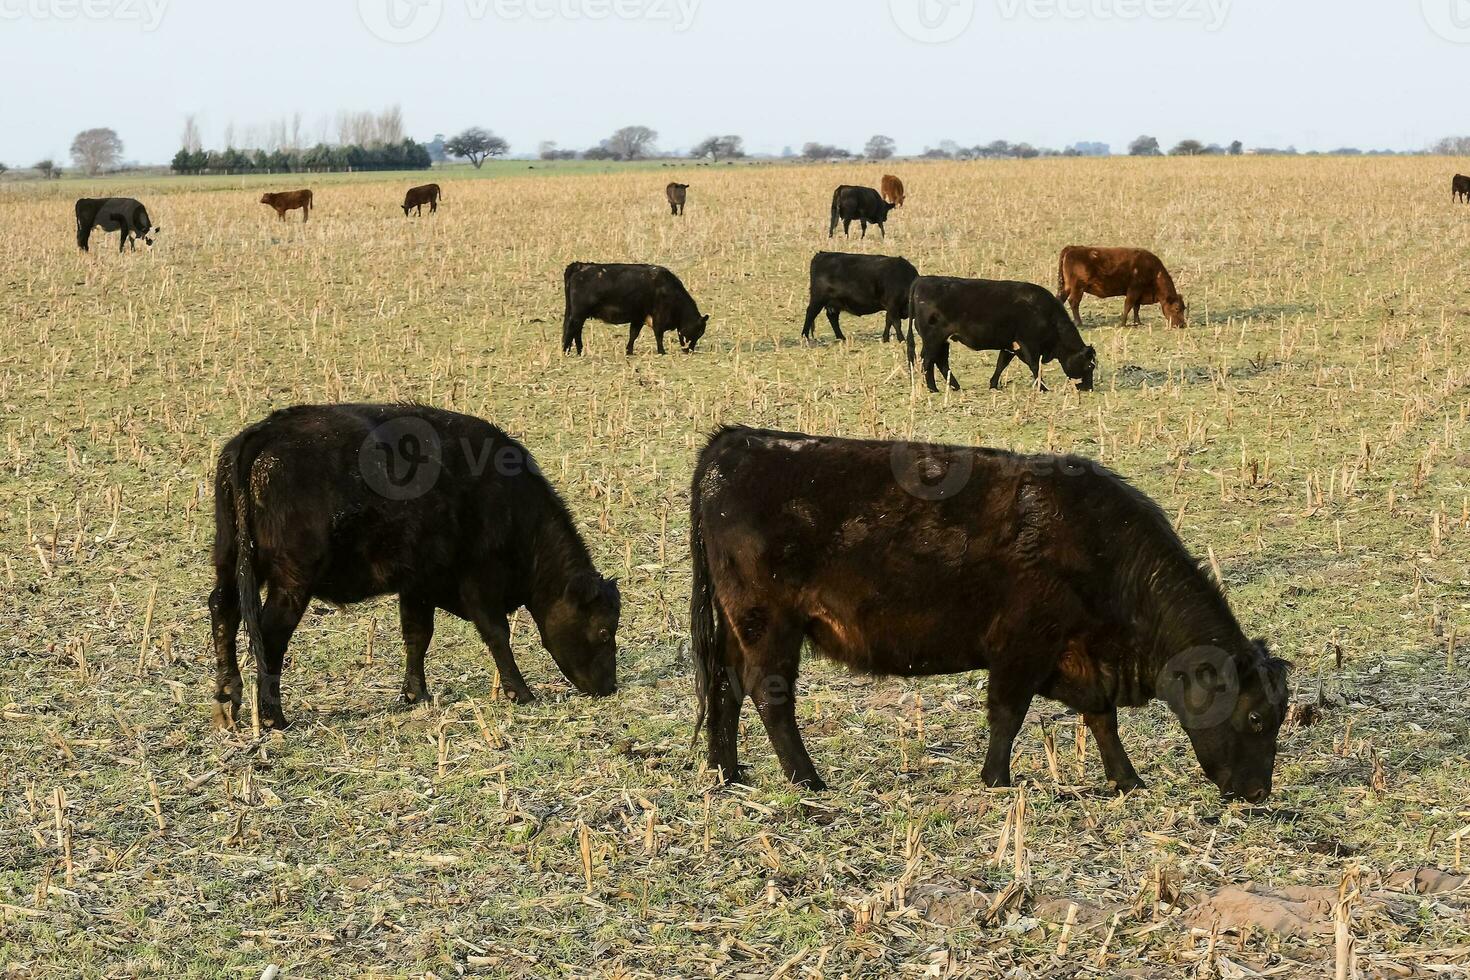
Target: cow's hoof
{"points": [[519, 695], [224, 716], [1125, 786], [274, 720], [812, 783], [412, 698], [736, 775]]}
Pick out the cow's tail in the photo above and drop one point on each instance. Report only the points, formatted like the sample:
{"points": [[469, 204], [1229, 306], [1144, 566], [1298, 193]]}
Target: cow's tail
{"points": [[704, 625], [233, 480], [1062, 273], [84, 231], [831, 228]]}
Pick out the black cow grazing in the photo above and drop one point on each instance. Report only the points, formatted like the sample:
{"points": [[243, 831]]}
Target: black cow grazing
{"points": [[677, 195], [638, 295], [120, 214], [1019, 319], [346, 502], [1460, 187], [1050, 572], [860, 285], [417, 197], [861, 204]]}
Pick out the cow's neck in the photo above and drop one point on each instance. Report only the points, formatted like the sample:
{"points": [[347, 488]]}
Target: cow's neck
{"points": [[555, 553], [1180, 610]]}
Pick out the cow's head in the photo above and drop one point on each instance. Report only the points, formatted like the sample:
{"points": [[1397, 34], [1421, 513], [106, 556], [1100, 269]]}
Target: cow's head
{"points": [[691, 331], [140, 224], [580, 628], [1080, 367], [1232, 708], [1175, 310]]}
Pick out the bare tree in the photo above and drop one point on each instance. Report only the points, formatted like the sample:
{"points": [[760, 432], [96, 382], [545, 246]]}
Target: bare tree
{"points": [[880, 148], [389, 127], [191, 139], [719, 148], [632, 142], [94, 150]]}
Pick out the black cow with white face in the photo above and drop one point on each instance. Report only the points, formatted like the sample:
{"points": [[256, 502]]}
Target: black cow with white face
{"points": [[121, 214]]}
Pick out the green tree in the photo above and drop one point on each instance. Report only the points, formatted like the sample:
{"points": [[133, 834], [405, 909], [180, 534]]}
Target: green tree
{"points": [[475, 145]]}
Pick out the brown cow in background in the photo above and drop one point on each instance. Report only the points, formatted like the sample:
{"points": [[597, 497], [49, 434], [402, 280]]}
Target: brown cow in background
{"points": [[1133, 273], [284, 201], [892, 189], [417, 197], [677, 195]]}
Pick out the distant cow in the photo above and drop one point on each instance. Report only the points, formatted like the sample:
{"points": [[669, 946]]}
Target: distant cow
{"points": [[1460, 187], [284, 201], [417, 197], [860, 204], [1019, 319], [638, 295], [346, 502], [860, 285], [892, 189], [1050, 572], [677, 195], [120, 214], [1133, 273]]}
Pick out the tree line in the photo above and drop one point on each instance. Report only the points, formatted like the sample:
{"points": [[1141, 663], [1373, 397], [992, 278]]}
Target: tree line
{"points": [[321, 158]]}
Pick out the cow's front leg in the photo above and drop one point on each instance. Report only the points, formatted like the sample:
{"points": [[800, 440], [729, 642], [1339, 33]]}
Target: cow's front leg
{"points": [[1116, 764], [1006, 704], [484, 605], [417, 621]]}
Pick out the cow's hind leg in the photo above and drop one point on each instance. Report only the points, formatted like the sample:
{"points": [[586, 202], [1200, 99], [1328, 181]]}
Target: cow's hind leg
{"points": [[417, 620], [571, 332], [1076, 303], [809, 327], [1116, 764], [279, 617], [942, 362], [722, 716], [634, 329], [771, 653], [224, 627]]}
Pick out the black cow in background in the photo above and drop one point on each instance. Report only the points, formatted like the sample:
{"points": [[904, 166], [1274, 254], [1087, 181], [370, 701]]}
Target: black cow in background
{"points": [[861, 204], [120, 214], [1460, 187], [902, 559], [636, 295], [860, 285], [1019, 319], [347, 502]]}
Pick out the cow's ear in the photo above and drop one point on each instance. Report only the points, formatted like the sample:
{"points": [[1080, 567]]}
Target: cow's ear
{"points": [[584, 588]]}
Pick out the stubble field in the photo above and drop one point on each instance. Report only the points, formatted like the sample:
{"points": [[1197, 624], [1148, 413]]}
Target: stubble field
{"points": [[1309, 431]]}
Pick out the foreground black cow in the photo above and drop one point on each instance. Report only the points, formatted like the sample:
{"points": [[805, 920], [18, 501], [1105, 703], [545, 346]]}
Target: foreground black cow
{"points": [[1019, 319], [899, 559], [636, 295], [860, 285], [860, 204], [1460, 187], [346, 502], [120, 214]]}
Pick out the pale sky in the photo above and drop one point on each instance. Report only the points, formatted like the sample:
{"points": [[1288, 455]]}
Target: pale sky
{"points": [[1317, 73]]}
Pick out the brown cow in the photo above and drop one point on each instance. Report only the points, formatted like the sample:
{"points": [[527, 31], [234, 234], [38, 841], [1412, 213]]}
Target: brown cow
{"points": [[1460, 187], [892, 189], [677, 195], [417, 197], [284, 201], [1133, 273]]}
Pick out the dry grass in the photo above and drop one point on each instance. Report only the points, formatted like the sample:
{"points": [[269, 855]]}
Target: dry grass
{"points": [[1309, 429]]}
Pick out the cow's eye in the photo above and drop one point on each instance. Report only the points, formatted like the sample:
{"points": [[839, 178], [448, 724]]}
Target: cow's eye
{"points": [[1256, 722], [604, 635]]}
